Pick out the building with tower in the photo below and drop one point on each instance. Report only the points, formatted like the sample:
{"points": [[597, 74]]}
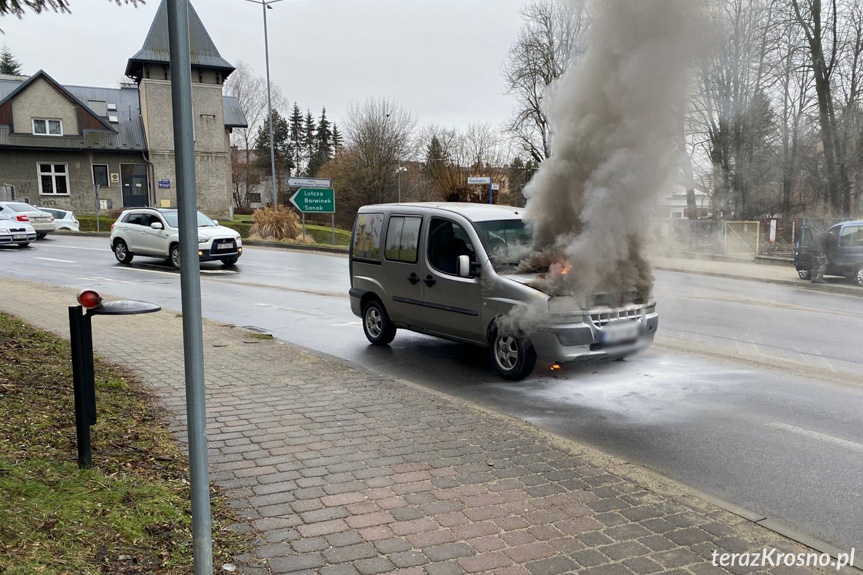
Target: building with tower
{"points": [[58, 141]]}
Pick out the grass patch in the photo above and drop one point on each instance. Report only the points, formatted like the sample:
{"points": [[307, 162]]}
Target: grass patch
{"points": [[130, 513], [87, 223], [256, 335]]}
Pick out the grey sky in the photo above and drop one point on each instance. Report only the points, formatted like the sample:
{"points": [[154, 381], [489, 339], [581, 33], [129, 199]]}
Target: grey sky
{"points": [[439, 58]]}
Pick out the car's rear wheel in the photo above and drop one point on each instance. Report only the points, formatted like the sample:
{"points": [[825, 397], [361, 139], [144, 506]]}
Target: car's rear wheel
{"points": [[41, 236], [804, 274], [230, 261], [121, 252], [175, 256], [858, 277], [376, 323], [512, 355]]}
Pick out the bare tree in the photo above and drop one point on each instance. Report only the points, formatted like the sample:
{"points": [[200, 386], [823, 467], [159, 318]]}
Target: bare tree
{"points": [[553, 35], [451, 156], [378, 137], [251, 91], [822, 36]]}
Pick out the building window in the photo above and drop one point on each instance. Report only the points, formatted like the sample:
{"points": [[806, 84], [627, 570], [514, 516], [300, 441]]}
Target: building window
{"points": [[53, 179], [43, 127], [100, 175], [255, 197]]}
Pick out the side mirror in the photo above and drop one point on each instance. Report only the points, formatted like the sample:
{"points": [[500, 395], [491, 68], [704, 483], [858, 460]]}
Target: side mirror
{"points": [[463, 266], [157, 226], [216, 222], [467, 268]]}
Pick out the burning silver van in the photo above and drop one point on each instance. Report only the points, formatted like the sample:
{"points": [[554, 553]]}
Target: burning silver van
{"points": [[449, 270]]}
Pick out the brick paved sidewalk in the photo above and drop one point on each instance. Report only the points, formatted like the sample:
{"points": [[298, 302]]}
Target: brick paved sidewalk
{"points": [[340, 472]]}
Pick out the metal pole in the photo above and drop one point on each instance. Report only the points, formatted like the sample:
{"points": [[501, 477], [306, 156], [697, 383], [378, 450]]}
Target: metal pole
{"points": [[96, 193], [190, 282], [79, 372], [270, 110], [490, 184], [400, 184], [304, 228], [333, 226]]}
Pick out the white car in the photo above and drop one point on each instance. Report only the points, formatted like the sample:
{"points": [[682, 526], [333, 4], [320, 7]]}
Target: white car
{"points": [[42, 222], [63, 219], [153, 232], [14, 232]]}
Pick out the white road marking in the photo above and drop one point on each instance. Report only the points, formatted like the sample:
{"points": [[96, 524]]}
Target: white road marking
{"points": [[245, 265], [148, 271], [75, 248], [819, 436], [103, 279], [347, 323], [55, 260], [300, 311]]}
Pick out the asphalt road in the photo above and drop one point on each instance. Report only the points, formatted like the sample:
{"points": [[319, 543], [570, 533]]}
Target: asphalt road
{"points": [[753, 393]]}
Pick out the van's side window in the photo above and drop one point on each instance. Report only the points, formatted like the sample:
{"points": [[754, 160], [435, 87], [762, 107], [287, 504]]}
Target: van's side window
{"points": [[851, 236], [367, 236], [403, 236], [447, 241]]}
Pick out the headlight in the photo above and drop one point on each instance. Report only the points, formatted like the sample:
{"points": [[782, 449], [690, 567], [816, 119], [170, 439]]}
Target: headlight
{"points": [[650, 309], [237, 238], [202, 240]]}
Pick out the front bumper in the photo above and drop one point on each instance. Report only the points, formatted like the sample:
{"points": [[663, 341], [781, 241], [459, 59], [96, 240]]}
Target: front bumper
{"points": [[581, 342], [17, 238], [208, 254]]}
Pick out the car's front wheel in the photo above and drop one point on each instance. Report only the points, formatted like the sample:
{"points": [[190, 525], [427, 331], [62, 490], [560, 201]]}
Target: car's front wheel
{"points": [[376, 323], [230, 261], [174, 256], [512, 355], [24, 244], [858, 277], [804, 274], [121, 252], [41, 236]]}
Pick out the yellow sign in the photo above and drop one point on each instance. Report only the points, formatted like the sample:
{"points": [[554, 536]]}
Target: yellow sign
{"points": [[164, 203]]}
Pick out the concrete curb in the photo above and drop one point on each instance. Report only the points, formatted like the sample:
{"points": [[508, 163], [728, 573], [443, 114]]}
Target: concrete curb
{"points": [[800, 284]]}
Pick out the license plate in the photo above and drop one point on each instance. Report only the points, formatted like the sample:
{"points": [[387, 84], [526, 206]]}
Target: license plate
{"points": [[617, 332], [17, 238], [224, 246]]}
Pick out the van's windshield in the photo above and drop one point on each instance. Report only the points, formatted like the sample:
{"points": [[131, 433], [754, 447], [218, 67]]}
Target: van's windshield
{"points": [[507, 242]]}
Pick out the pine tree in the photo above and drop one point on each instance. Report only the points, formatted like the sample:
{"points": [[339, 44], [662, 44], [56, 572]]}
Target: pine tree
{"points": [[323, 145], [282, 147], [309, 136], [296, 136], [338, 140], [8, 63]]}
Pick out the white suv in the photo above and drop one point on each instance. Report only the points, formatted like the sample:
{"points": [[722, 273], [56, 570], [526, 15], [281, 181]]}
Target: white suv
{"points": [[154, 233]]}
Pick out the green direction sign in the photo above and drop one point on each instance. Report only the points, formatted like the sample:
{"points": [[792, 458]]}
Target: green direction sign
{"points": [[315, 200]]}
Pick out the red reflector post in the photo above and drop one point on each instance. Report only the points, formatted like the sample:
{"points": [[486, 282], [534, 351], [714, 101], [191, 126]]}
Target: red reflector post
{"points": [[89, 299]]}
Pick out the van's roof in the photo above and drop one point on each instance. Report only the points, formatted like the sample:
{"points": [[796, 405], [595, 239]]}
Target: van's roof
{"points": [[473, 212]]}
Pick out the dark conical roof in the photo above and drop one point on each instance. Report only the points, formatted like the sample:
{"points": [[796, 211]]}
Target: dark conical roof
{"points": [[155, 50]]}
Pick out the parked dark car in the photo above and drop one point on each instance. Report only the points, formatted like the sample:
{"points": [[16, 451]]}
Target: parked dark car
{"points": [[844, 251]]}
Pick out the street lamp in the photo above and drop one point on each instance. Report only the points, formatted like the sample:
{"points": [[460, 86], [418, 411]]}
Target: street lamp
{"points": [[266, 5], [399, 172]]}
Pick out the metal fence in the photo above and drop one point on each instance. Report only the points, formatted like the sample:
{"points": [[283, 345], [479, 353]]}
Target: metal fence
{"points": [[773, 237]]}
